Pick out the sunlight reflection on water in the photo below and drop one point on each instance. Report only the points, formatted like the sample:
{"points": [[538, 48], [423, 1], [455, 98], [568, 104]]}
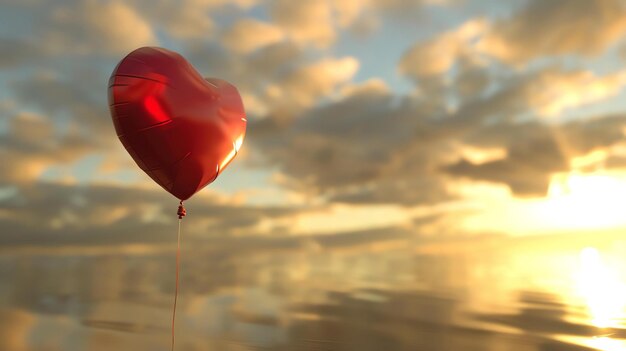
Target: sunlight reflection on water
{"points": [[601, 288], [544, 293]]}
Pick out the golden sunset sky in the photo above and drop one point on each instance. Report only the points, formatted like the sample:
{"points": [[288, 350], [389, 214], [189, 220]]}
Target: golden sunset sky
{"points": [[368, 120]]}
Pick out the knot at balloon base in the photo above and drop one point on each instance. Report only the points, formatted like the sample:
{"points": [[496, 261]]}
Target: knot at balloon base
{"points": [[181, 211]]}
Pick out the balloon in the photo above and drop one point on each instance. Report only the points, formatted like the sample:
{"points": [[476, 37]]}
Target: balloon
{"points": [[181, 129]]}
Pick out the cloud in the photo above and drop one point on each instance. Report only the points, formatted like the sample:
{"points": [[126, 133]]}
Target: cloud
{"points": [[306, 84], [362, 148], [539, 30], [181, 20], [109, 216], [77, 126], [437, 55], [72, 30], [85, 215], [452, 54], [536, 151], [72, 99], [31, 145], [556, 92], [188, 20], [17, 52], [370, 86], [586, 135], [363, 237], [317, 23], [70, 106], [92, 26], [373, 146], [112, 28], [348, 11], [322, 134], [532, 156], [307, 21], [247, 35], [551, 91], [280, 79], [551, 28]]}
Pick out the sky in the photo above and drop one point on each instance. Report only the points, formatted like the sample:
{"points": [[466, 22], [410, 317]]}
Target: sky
{"points": [[367, 120]]}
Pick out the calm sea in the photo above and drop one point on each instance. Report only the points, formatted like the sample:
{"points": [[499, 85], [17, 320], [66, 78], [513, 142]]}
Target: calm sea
{"points": [[561, 292]]}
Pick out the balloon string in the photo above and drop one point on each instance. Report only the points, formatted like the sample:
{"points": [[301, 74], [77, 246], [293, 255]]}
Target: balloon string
{"points": [[176, 291]]}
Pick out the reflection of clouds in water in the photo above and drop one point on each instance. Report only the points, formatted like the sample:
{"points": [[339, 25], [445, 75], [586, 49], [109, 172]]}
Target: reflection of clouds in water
{"points": [[347, 298], [540, 315], [15, 326]]}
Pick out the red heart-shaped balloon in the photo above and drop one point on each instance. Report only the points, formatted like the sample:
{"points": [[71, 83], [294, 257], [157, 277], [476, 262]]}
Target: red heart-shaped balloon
{"points": [[181, 129]]}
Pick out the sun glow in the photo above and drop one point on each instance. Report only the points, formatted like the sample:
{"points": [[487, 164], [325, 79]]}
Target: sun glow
{"points": [[575, 202], [578, 201]]}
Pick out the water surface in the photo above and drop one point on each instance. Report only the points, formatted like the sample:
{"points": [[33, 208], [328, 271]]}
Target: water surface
{"points": [[564, 292]]}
